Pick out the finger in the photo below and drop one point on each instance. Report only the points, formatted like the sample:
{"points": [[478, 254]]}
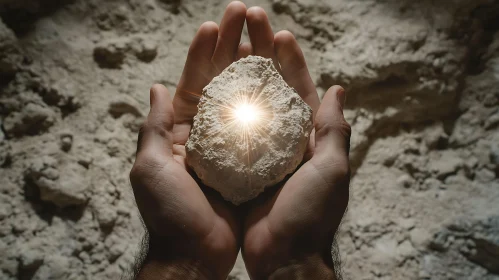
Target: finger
{"points": [[229, 35], [198, 72], [156, 132], [260, 33], [294, 68], [245, 49], [332, 132]]}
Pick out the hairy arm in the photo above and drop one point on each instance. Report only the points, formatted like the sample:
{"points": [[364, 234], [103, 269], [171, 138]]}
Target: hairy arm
{"points": [[314, 267], [147, 266], [133, 271], [151, 264]]}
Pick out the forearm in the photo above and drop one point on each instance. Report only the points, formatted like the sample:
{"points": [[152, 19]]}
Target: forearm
{"points": [[153, 263]]}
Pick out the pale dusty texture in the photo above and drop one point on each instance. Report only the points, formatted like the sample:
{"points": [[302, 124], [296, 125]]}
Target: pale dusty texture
{"points": [[422, 85], [238, 161], [9, 53]]}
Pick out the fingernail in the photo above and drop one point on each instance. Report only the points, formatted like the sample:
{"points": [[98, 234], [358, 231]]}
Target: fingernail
{"points": [[341, 97]]}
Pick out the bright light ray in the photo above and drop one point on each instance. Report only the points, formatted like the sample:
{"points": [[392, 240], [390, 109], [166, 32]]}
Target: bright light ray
{"points": [[248, 116], [246, 113]]}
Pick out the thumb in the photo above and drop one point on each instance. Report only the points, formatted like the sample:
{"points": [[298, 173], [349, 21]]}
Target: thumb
{"points": [[332, 132], [155, 135]]}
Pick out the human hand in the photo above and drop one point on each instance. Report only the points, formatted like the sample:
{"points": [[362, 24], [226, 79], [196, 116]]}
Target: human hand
{"points": [[193, 232], [288, 232]]}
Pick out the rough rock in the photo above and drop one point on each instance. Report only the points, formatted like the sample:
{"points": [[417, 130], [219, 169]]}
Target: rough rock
{"points": [[31, 259], [2, 135], [494, 154], [60, 93], [405, 181], [145, 49], [66, 141], [124, 104], [31, 120], [4, 153], [64, 187], [485, 175], [111, 53], [54, 267], [485, 245], [492, 121], [431, 184], [115, 246], [445, 164], [467, 128], [441, 241], [171, 5], [106, 214], [9, 52], [5, 207], [435, 136], [477, 240], [237, 162]]}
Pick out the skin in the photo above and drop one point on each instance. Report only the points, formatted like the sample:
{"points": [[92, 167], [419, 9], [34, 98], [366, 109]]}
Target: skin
{"points": [[287, 232]]}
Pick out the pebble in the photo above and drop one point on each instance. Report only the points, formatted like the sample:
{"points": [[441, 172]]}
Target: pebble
{"points": [[148, 50], [431, 184], [66, 141], [448, 163], [440, 241], [484, 175], [405, 181]]}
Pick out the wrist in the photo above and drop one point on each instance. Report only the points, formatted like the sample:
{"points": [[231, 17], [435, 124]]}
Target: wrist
{"points": [[313, 267], [161, 262], [285, 258], [167, 258], [161, 269]]}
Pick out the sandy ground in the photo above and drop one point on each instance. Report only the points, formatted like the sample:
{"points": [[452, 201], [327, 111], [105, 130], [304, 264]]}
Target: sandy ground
{"points": [[422, 79]]}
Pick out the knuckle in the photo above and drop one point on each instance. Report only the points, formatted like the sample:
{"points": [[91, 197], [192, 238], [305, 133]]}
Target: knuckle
{"points": [[147, 158], [285, 35], [156, 126], [335, 169], [341, 170], [340, 126], [139, 167], [136, 173], [345, 129], [146, 162]]}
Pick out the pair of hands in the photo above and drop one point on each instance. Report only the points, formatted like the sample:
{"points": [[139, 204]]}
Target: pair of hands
{"points": [[285, 233]]}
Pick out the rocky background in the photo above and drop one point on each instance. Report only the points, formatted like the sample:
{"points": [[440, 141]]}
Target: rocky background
{"points": [[422, 79]]}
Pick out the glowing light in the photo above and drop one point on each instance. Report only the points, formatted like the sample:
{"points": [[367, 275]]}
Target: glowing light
{"points": [[247, 116], [246, 113]]}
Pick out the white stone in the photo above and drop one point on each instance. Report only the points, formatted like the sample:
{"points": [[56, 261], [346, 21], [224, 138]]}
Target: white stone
{"points": [[238, 166]]}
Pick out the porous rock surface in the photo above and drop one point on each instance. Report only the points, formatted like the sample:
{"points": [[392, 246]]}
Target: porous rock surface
{"points": [[240, 162], [9, 54]]}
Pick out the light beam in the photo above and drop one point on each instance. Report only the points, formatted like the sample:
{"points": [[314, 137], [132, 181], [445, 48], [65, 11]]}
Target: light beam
{"points": [[246, 113]]}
